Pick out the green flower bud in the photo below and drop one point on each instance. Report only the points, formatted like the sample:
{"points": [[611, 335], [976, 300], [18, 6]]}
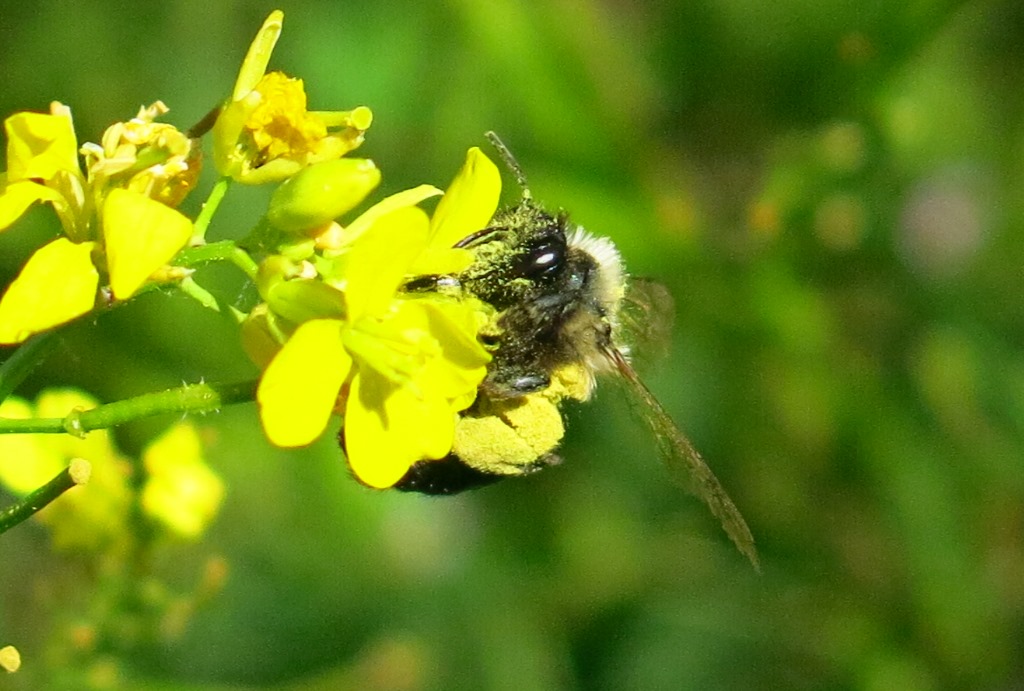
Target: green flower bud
{"points": [[322, 192], [276, 269], [301, 300]]}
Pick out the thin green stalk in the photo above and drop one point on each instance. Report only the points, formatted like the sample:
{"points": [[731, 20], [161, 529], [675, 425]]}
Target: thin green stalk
{"points": [[75, 474], [198, 293], [209, 301], [191, 398], [220, 188], [22, 361], [223, 250]]}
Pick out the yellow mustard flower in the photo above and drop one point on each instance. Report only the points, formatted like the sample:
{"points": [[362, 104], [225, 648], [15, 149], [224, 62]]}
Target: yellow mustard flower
{"points": [[152, 158], [399, 367], [42, 166], [264, 132], [117, 217], [181, 491], [409, 364], [90, 517]]}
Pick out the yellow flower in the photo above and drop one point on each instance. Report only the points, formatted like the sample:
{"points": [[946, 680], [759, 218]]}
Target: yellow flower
{"points": [[152, 158], [42, 166], [141, 170], [399, 367], [264, 133], [410, 364], [92, 516], [181, 491]]}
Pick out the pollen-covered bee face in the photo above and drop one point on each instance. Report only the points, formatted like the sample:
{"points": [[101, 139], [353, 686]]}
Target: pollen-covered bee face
{"points": [[556, 295], [553, 310]]}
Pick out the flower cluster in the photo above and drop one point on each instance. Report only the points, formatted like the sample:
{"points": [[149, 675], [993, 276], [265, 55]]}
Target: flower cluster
{"points": [[118, 215], [264, 133], [180, 493], [335, 331]]}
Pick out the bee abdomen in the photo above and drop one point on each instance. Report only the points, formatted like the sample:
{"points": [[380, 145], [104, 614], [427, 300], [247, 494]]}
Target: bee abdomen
{"points": [[444, 477]]}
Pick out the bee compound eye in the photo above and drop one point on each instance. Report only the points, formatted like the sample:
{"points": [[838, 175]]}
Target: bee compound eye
{"points": [[544, 260]]}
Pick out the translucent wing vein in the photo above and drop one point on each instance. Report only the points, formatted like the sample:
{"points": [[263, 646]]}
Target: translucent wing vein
{"points": [[686, 463]]}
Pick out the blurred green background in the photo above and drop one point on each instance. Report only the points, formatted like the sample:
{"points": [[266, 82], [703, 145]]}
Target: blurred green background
{"points": [[831, 191]]}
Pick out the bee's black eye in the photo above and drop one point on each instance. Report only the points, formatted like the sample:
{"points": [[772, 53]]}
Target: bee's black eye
{"points": [[543, 260]]}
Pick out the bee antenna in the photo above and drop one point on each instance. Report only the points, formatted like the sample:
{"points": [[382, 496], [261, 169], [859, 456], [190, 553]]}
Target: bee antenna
{"points": [[510, 162]]}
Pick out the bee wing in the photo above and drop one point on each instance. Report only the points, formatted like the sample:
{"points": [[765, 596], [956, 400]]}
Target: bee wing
{"points": [[645, 320], [685, 463]]}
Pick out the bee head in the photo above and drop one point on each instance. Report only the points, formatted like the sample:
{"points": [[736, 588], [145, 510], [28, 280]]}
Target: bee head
{"points": [[556, 290]]}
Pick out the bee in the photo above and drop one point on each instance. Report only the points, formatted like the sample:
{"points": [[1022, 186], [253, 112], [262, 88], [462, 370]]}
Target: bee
{"points": [[558, 295]]}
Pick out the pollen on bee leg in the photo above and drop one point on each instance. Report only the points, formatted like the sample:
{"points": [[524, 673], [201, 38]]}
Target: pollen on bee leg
{"points": [[572, 381], [511, 436]]}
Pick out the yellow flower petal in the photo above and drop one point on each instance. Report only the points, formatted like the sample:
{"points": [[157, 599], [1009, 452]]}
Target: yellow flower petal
{"points": [[256, 59], [376, 265], [302, 300], [469, 203], [40, 145], [141, 235], [438, 261], [299, 389], [462, 363], [25, 463], [181, 491], [16, 197], [412, 197], [57, 284], [387, 429], [392, 352], [228, 156]]}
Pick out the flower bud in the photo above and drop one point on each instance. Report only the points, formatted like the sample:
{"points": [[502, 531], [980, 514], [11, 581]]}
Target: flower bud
{"points": [[276, 269], [301, 300], [260, 339], [322, 192]]}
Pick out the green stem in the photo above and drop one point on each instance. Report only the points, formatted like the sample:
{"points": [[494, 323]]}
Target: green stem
{"points": [[22, 361], [205, 298], [223, 250], [198, 293], [75, 474], [209, 209], [191, 398]]}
